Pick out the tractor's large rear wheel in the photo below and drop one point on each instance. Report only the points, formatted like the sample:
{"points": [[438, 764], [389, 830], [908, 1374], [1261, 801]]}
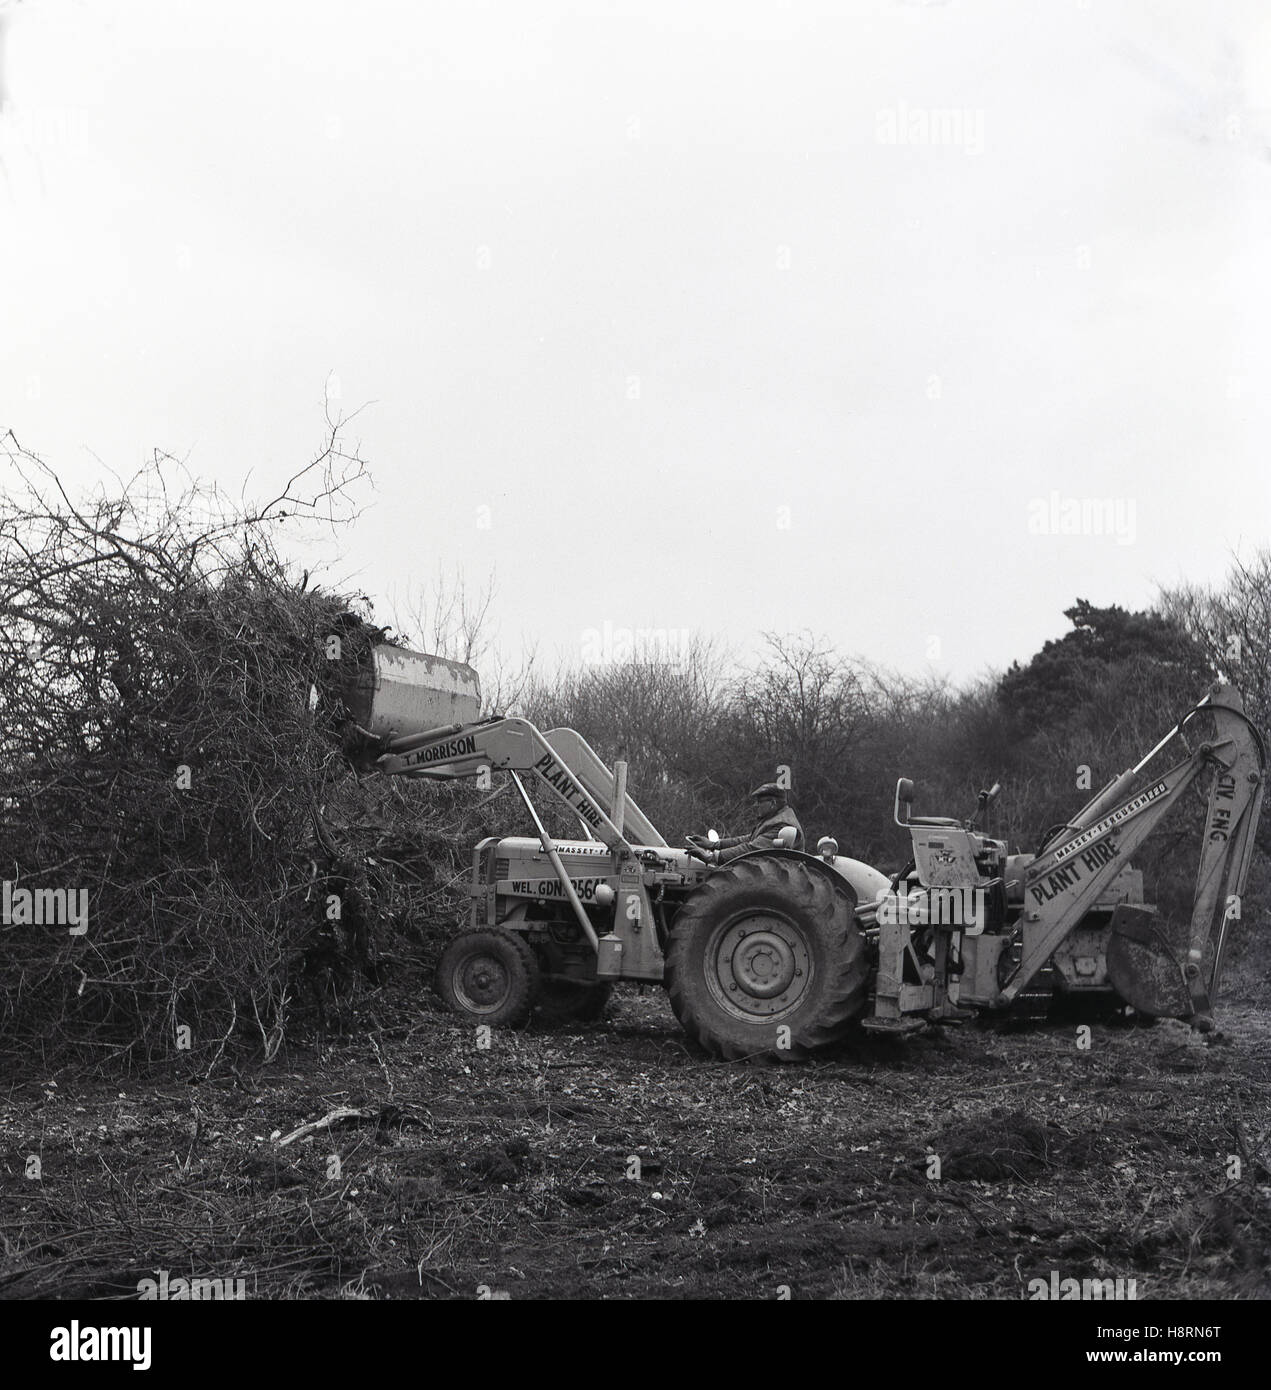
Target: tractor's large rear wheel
{"points": [[765, 961], [489, 976]]}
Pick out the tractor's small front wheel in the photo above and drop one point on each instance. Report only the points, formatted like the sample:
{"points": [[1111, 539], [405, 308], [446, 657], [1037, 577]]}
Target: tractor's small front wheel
{"points": [[489, 976]]}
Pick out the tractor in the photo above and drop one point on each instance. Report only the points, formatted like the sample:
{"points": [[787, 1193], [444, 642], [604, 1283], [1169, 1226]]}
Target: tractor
{"points": [[777, 954]]}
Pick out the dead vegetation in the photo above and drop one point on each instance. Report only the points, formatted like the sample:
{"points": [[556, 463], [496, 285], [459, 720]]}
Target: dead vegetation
{"points": [[171, 735], [436, 1169]]}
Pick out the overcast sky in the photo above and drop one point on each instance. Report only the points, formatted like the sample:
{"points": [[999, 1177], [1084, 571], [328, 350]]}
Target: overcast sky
{"points": [[718, 317]]}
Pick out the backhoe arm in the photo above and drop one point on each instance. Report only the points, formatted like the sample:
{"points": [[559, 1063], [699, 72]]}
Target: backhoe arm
{"points": [[1235, 807], [1070, 876]]}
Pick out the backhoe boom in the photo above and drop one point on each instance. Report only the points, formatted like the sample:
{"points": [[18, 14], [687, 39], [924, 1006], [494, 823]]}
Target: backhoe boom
{"points": [[1073, 871]]}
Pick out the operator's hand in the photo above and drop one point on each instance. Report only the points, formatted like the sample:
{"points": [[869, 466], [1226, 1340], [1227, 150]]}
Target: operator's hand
{"points": [[696, 849], [700, 841]]}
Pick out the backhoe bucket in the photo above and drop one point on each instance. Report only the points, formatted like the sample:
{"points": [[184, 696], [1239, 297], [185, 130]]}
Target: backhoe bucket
{"points": [[397, 692], [1143, 967]]}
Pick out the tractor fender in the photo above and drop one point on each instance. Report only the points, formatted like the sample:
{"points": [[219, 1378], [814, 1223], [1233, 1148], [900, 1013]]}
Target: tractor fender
{"points": [[864, 881], [867, 881]]}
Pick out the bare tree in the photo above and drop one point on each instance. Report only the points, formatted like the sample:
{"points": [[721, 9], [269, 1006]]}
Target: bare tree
{"points": [[1233, 624], [451, 619]]}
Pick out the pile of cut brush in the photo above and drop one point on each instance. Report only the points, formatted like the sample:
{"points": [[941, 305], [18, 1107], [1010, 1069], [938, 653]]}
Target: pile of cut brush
{"points": [[171, 728]]}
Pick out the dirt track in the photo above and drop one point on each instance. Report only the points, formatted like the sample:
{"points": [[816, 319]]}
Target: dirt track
{"points": [[509, 1172]]}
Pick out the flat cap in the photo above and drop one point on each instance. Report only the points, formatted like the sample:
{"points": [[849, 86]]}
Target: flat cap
{"points": [[768, 789]]}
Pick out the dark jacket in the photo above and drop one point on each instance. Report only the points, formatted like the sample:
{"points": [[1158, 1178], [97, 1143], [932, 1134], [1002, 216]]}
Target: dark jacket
{"points": [[764, 835]]}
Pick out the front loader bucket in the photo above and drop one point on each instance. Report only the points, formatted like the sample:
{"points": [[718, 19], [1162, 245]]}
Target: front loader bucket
{"points": [[1142, 965], [396, 692]]}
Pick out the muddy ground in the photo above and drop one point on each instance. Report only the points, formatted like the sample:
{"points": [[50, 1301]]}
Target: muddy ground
{"points": [[510, 1172]]}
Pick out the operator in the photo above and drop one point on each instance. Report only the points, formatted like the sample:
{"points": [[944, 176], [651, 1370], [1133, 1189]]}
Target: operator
{"points": [[775, 812]]}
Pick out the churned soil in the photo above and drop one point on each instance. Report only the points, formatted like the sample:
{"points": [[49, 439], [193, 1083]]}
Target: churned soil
{"points": [[614, 1160]]}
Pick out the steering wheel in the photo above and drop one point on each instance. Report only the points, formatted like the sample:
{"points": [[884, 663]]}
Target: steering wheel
{"points": [[1049, 836]]}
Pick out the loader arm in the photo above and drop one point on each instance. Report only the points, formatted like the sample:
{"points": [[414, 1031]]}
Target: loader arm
{"points": [[589, 768], [1070, 876], [515, 746], [500, 745]]}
